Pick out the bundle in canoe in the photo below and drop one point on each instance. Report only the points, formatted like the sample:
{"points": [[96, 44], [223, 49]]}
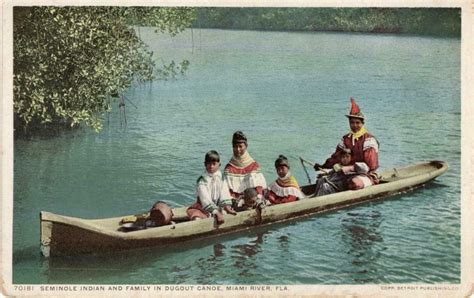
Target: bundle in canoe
{"points": [[63, 235]]}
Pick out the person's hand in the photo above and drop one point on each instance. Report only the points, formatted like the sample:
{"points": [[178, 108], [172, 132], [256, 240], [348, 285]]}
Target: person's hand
{"points": [[347, 169], [230, 210], [317, 166], [261, 203], [219, 218], [337, 167]]}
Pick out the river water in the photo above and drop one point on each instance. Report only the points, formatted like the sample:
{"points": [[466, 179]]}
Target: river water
{"points": [[288, 92]]}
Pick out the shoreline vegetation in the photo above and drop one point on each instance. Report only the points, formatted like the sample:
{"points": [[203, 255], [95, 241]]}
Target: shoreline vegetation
{"points": [[72, 63], [442, 22]]}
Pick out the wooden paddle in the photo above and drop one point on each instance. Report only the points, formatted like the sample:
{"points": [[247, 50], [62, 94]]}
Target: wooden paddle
{"points": [[312, 165], [304, 168]]}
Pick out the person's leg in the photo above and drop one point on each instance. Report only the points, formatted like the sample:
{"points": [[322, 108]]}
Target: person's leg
{"points": [[359, 182], [324, 188], [195, 211]]}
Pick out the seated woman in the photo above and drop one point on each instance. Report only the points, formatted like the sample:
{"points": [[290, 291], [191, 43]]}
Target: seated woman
{"points": [[337, 179], [243, 172], [285, 189]]}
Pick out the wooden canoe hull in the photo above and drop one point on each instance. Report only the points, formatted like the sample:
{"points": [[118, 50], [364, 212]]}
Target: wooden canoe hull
{"points": [[62, 235]]}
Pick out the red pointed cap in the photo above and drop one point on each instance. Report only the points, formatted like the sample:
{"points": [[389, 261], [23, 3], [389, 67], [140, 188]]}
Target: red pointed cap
{"points": [[355, 111]]}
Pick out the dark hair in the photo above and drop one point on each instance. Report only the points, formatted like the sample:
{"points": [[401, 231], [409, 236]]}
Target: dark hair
{"points": [[212, 156], [249, 193], [361, 119], [282, 161], [346, 151], [239, 137], [250, 197]]}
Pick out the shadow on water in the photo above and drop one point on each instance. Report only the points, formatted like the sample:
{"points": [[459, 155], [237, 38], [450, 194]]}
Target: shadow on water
{"points": [[48, 132], [26, 254], [435, 185], [124, 263]]}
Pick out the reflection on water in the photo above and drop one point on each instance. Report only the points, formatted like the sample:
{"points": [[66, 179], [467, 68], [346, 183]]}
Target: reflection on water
{"points": [[218, 250], [244, 255], [283, 242], [239, 253], [361, 234], [80, 269], [206, 266]]}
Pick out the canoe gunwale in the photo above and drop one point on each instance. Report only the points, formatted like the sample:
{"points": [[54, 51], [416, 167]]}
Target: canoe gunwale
{"points": [[245, 220]]}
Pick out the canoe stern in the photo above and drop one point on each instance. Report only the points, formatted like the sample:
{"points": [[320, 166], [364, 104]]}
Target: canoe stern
{"points": [[45, 235]]}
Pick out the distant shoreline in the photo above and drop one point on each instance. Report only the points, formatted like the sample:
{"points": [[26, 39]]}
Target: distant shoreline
{"points": [[329, 31], [442, 22]]}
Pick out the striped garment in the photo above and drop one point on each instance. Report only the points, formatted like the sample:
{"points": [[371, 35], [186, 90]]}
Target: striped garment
{"points": [[242, 173]]}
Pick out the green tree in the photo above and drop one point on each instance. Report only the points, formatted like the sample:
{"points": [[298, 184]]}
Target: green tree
{"points": [[68, 61]]}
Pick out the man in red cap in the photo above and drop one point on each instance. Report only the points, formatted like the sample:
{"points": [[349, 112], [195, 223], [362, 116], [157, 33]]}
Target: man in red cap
{"points": [[364, 148]]}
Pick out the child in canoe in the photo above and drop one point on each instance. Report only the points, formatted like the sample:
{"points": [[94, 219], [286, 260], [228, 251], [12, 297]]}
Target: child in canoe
{"points": [[250, 200], [213, 197], [336, 179], [285, 189]]}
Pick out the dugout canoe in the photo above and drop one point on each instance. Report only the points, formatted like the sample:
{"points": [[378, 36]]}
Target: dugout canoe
{"points": [[64, 235]]}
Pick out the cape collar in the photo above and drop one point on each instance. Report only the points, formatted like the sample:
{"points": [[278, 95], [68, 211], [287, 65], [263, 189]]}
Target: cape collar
{"points": [[356, 135], [241, 161]]}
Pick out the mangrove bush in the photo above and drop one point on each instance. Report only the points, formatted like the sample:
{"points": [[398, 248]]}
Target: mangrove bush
{"points": [[69, 61]]}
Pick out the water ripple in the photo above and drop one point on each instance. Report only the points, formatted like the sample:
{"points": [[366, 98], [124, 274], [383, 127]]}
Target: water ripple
{"points": [[288, 101]]}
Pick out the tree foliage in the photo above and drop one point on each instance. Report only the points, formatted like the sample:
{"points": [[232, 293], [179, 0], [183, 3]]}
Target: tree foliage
{"points": [[68, 61], [426, 21]]}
